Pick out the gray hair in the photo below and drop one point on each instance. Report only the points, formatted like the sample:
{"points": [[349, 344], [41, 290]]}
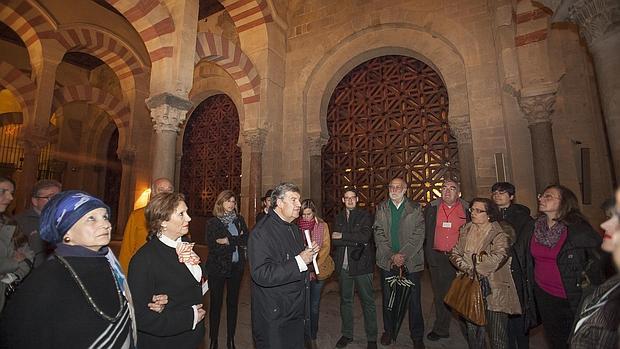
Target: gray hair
{"points": [[280, 190]]}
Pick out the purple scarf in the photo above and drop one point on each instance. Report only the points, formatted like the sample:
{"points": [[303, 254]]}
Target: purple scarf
{"points": [[546, 236]]}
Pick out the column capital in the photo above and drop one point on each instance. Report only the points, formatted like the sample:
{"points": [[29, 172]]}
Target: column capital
{"points": [[168, 111], [34, 137], [316, 142], [255, 139], [594, 17], [538, 108], [461, 128]]}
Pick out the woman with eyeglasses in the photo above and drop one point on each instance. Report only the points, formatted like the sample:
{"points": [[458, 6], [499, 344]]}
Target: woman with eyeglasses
{"points": [[227, 239], [486, 242], [16, 257], [564, 260]]}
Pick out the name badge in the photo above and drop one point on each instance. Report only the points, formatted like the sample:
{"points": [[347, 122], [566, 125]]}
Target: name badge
{"points": [[446, 225]]}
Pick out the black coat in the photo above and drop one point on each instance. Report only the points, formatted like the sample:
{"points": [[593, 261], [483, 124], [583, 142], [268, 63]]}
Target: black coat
{"points": [[357, 238], [219, 261], [579, 261], [518, 216], [278, 287], [49, 310], [155, 269]]}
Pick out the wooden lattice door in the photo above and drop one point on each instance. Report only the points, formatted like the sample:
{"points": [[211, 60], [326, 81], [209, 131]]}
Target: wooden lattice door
{"points": [[387, 118], [211, 158]]}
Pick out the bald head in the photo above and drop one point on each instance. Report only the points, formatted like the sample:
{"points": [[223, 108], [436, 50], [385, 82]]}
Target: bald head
{"points": [[162, 185]]}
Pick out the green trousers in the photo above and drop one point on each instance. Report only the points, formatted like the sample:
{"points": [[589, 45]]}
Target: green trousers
{"points": [[363, 284]]}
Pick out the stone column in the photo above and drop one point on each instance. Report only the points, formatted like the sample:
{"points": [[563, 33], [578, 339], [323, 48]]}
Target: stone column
{"points": [[461, 129], [168, 112], [254, 141], [33, 140], [315, 146], [125, 204], [538, 109], [599, 25]]}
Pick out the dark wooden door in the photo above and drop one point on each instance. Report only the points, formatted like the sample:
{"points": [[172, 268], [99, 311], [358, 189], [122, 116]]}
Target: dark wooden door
{"points": [[211, 158], [387, 118]]}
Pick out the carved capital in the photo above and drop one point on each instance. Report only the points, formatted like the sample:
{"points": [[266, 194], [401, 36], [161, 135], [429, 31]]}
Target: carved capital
{"points": [[461, 129], [127, 155], [33, 138], [537, 108], [168, 111], [594, 17], [255, 139], [316, 143]]}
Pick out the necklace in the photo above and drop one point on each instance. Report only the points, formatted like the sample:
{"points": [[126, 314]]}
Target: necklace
{"points": [[90, 299]]}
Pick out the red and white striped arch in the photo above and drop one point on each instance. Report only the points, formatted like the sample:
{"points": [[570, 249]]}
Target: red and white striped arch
{"points": [[29, 22], [103, 45], [248, 14], [117, 109], [20, 86], [153, 22], [229, 56]]}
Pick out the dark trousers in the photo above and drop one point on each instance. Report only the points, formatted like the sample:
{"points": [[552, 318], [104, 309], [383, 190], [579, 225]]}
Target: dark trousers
{"points": [[495, 328], [556, 317], [442, 274], [363, 284], [315, 288], [216, 289], [517, 333], [416, 321]]}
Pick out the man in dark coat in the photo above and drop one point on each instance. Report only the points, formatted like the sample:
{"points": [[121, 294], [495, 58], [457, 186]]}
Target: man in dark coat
{"points": [[518, 216], [443, 218], [355, 260], [278, 265]]}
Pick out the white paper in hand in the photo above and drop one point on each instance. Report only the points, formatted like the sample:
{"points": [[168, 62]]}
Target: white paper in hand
{"points": [[309, 243]]}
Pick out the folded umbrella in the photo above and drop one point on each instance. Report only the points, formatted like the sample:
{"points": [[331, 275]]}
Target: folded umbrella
{"points": [[400, 294]]}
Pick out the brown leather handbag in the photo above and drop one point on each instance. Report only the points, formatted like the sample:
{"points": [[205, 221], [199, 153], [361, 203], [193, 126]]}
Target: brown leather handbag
{"points": [[465, 297]]}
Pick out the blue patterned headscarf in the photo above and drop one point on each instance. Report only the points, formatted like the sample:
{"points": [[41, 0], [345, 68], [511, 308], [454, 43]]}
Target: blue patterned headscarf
{"points": [[63, 211]]}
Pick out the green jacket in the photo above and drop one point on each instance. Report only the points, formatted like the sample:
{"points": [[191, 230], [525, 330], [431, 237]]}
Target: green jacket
{"points": [[411, 235]]}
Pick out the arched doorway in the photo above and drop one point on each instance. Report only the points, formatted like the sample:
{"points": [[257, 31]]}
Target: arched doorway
{"points": [[387, 118], [211, 157]]}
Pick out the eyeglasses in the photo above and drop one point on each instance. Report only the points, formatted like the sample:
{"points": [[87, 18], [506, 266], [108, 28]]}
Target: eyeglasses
{"points": [[396, 187], [45, 197], [475, 210], [546, 197], [450, 188], [4, 191], [350, 198], [499, 192]]}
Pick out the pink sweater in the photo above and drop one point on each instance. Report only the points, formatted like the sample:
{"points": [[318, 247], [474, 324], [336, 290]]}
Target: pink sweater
{"points": [[546, 272]]}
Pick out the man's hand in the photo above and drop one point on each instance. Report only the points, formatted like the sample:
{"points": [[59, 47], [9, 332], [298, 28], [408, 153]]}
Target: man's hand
{"points": [[336, 235], [201, 312], [307, 254], [398, 259], [159, 302], [18, 256], [223, 241]]}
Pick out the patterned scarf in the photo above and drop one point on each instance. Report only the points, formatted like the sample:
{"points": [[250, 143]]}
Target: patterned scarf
{"points": [[316, 230], [546, 236], [228, 217]]}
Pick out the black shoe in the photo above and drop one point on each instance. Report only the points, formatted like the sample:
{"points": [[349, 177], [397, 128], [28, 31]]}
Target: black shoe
{"points": [[343, 342], [386, 339], [433, 336], [418, 344], [230, 344], [372, 345]]}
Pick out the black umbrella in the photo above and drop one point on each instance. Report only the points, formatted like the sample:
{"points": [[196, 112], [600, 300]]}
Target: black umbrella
{"points": [[400, 293]]}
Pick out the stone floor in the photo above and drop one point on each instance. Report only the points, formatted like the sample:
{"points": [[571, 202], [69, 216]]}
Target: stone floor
{"points": [[329, 325]]}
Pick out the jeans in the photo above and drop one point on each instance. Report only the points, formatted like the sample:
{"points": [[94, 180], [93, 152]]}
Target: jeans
{"points": [[556, 317], [416, 321], [316, 286], [363, 284]]}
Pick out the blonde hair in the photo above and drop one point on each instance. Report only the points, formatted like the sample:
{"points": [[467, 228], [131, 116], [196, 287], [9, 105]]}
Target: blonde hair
{"points": [[218, 208]]}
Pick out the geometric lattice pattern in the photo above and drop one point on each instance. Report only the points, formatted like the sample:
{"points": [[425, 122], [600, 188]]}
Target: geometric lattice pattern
{"points": [[211, 158], [387, 118]]}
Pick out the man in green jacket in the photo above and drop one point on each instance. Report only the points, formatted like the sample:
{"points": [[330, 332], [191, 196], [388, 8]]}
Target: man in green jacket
{"points": [[399, 236]]}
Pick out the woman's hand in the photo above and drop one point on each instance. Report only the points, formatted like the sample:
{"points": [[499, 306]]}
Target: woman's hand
{"points": [[159, 303], [223, 241], [201, 312], [18, 256]]}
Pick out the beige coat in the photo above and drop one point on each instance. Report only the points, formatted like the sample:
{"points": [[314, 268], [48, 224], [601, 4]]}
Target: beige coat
{"points": [[494, 264]]}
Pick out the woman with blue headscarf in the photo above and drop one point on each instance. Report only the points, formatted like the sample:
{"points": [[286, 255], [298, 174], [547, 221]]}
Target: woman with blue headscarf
{"points": [[78, 298]]}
